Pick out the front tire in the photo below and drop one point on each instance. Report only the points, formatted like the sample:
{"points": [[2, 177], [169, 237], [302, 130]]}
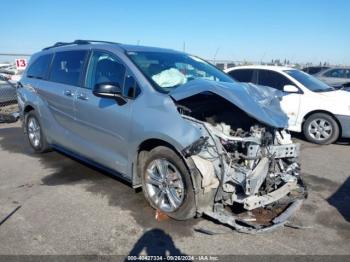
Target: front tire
{"points": [[167, 184], [321, 129], [35, 134]]}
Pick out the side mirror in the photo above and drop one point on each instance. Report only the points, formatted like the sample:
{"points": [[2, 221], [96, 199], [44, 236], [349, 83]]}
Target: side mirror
{"points": [[108, 90], [290, 89]]}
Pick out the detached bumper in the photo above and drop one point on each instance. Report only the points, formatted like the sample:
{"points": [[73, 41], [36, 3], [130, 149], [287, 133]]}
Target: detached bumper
{"points": [[277, 222], [345, 125]]}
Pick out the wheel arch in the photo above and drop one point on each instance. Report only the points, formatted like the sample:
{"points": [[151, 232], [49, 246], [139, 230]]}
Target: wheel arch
{"points": [[28, 108], [151, 143], [141, 154], [324, 112]]}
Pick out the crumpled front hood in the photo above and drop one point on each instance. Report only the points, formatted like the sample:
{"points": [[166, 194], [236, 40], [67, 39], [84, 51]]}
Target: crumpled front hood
{"points": [[259, 102]]}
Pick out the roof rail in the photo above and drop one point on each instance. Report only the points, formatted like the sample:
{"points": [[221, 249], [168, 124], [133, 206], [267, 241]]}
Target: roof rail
{"points": [[77, 42], [99, 41]]}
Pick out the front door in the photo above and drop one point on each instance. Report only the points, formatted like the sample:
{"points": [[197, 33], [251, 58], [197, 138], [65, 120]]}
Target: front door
{"points": [[103, 124], [290, 103]]}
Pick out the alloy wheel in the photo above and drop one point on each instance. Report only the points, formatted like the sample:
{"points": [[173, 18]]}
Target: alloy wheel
{"points": [[34, 134], [164, 185], [320, 129]]}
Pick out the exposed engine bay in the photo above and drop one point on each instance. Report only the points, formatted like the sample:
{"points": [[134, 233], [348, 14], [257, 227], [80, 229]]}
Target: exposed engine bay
{"points": [[250, 168]]}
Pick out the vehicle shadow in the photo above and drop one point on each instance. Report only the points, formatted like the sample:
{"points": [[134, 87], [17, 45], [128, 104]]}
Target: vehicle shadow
{"points": [[59, 169], [155, 242], [300, 136], [343, 141], [341, 199]]}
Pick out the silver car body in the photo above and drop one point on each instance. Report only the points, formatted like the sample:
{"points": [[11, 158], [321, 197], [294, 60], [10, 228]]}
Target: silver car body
{"points": [[336, 76], [101, 132]]}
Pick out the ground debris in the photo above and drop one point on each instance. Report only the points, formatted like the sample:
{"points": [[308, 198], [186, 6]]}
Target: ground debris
{"points": [[9, 215], [160, 216]]}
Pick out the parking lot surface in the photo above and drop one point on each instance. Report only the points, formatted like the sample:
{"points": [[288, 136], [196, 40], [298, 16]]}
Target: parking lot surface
{"points": [[71, 208]]}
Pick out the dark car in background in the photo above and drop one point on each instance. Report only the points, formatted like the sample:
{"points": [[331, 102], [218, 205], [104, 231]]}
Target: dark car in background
{"points": [[314, 69]]}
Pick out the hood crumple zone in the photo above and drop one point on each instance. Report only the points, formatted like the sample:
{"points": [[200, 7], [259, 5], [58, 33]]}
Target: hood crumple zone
{"points": [[259, 102], [249, 173]]}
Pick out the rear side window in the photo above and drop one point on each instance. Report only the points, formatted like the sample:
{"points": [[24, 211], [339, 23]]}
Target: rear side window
{"points": [[242, 75], [38, 69], [273, 79], [67, 67]]}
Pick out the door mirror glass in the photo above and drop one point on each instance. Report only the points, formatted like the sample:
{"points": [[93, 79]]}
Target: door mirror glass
{"points": [[290, 89], [108, 89]]}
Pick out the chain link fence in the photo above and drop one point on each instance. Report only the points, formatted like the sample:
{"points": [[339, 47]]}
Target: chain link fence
{"points": [[8, 100]]}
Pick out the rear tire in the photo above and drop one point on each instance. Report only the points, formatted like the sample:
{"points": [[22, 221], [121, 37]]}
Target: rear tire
{"points": [[320, 128], [167, 184], [35, 134]]}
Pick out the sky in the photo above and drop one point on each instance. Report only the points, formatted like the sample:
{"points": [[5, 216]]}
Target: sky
{"points": [[251, 30]]}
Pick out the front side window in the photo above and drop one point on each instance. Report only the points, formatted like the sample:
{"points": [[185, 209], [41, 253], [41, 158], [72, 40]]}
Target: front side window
{"points": [[310, 82], [104, 68], [242, 75], [38, 69], [67, 67], [167, 70], [273, 79]]}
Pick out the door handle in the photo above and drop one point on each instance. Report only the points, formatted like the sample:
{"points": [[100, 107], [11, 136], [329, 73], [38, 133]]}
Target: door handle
{"points": [[82, 97], [68, 93]]}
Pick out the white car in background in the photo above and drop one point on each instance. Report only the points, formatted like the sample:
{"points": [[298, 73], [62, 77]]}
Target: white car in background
{"points": [[321, 112]]}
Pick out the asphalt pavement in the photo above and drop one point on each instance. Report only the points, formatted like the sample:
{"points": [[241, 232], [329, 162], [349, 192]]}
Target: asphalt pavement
{"points": [[67, 207]]}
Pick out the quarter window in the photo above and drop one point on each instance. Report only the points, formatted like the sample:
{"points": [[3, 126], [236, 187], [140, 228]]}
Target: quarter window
{"points": [[38, 69], [104, 68], [67, 67], [273, 79]]}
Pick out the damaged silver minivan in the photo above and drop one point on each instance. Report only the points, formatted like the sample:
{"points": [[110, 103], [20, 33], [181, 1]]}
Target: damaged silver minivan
{"points": [[196, 141]]}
